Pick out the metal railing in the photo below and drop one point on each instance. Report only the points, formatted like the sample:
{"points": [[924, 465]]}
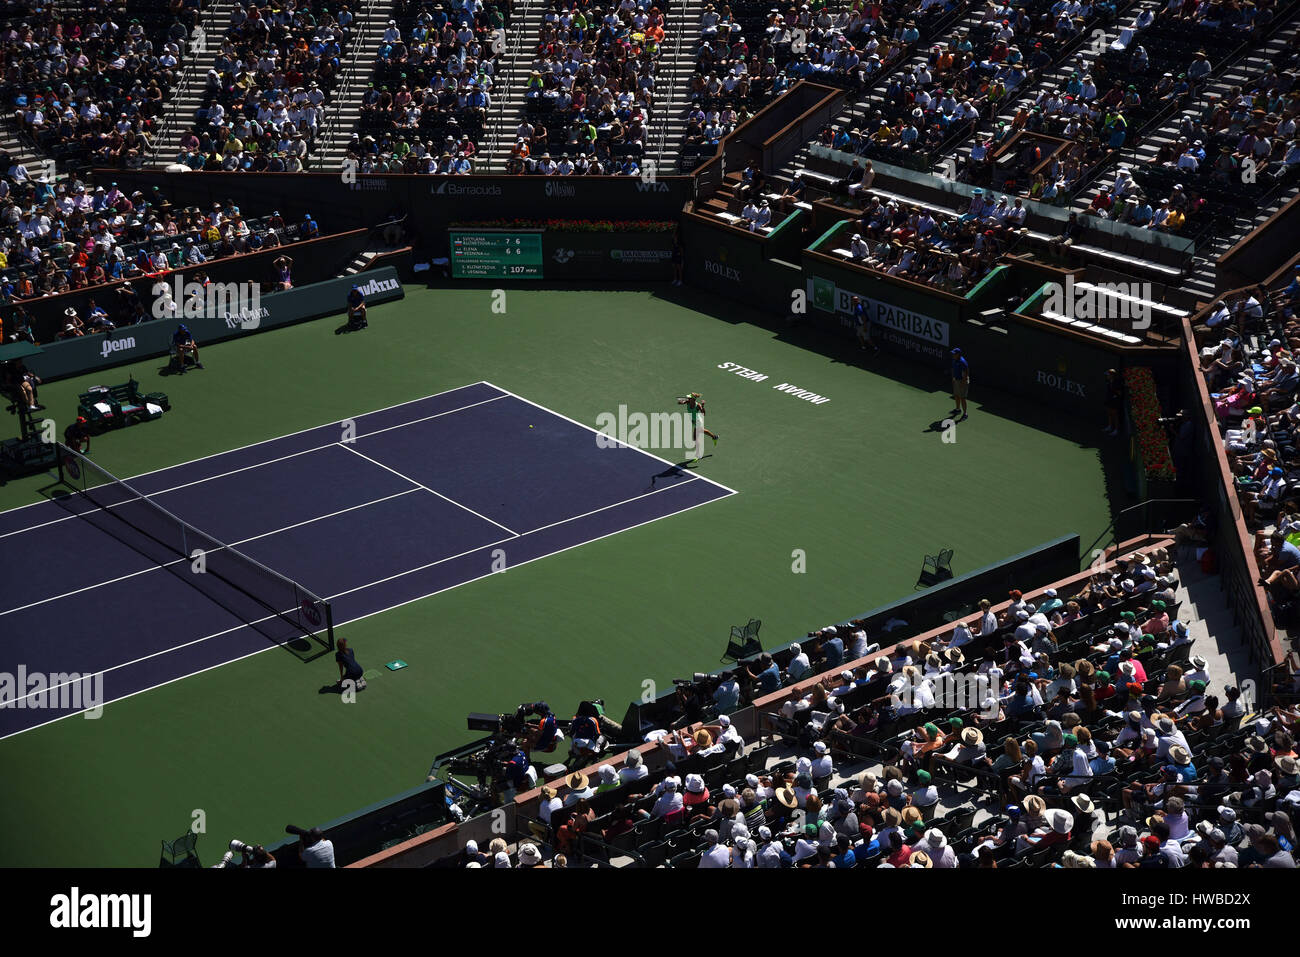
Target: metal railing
{"points": [[1118, 534], [672, 89], [503, 85], [208, 24], [331, 126]]}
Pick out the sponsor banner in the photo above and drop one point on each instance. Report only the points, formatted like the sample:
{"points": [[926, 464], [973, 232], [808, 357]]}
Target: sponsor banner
{"points": [[885, 317], [153, 338], [611, 256]]}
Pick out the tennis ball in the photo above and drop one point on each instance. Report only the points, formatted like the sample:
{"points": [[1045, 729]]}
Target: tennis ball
{"points": [[530, 426]]}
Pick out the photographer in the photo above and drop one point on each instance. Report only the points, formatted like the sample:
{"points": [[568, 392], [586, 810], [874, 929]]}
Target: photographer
{"points": [[255, 856], [690, 701], [314, 849]]}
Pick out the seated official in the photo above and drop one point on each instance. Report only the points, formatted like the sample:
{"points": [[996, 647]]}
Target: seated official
{"points": [[183, 345], [357, 309]]}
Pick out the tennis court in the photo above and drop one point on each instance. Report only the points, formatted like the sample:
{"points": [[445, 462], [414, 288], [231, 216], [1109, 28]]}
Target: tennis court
{"points": [[368, 513]]}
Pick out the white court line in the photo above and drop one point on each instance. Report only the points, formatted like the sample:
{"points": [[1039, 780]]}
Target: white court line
{"points": [[380, 611], [246, 468], [277, 438], [607, 436], [181, 561], [427, 489]]}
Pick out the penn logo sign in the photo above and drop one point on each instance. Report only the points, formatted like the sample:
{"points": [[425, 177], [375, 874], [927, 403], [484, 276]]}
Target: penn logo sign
{"points": [[110, 346]]}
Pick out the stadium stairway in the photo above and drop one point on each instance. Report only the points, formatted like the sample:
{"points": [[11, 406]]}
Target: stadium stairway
{"points": [[513, 67], [343, 109], [1201, 281], [1055, 76], [673, 86], [856, 110], [1218, 640], [19, 148], [188, 96]]}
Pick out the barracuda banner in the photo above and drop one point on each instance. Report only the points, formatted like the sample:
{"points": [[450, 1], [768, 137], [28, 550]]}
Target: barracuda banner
{"points": [[153, 338]]}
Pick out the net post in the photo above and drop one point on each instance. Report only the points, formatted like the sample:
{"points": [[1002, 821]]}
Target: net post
{"points": [[58, 458], [329, 625]]}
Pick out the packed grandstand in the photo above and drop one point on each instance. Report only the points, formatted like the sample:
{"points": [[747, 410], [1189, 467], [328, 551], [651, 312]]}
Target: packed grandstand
{"points": [[954, 165]]}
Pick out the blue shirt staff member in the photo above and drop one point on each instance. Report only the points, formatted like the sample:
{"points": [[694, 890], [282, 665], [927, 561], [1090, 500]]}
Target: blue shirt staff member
{"points": [[183, 344], [960, 383], [862, 326], [357, 309], [349, 670]]}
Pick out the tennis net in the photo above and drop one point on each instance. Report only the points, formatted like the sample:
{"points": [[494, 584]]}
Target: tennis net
{"points": [[242, 585]]}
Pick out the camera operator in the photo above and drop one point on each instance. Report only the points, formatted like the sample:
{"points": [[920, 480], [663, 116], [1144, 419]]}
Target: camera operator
{"points": [[588, 741], [314, 849], [254, 856], [690, 701], [544, 735], [514, 766]]}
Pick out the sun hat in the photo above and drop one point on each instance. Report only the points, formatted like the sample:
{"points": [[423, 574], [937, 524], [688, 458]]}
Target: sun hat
{"points": [[529, 854]]}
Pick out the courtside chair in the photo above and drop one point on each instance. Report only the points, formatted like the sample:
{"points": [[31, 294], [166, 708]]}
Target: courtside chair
{"points": [[183, 848], [935, 569], [744, 641]]}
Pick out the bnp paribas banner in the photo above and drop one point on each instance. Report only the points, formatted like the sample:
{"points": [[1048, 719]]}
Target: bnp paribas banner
{"points": [[925, 333], [214, 312]]}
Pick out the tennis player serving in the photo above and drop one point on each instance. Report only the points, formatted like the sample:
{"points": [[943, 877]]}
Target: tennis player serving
{"points": [[695, 406]]}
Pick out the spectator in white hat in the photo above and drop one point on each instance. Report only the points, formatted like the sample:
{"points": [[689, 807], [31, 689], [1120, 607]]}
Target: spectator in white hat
{"points": [[667, 800], [530, 855], [1197, 671], [823, 766], [935, 844], [799, 664], [716, 853], [633, 769]]}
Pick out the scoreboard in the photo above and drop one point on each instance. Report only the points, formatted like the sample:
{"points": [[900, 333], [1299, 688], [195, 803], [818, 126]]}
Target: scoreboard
{"points": [[496, 254]]}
